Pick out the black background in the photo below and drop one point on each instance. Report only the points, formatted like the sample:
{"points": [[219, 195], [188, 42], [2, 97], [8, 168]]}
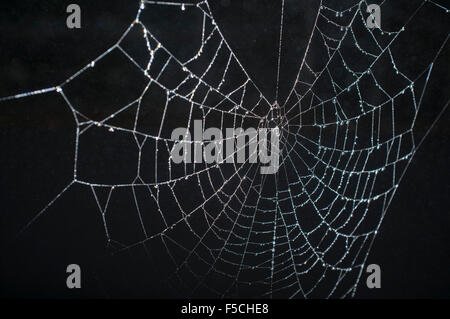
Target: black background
{"points": [[36, 140]]}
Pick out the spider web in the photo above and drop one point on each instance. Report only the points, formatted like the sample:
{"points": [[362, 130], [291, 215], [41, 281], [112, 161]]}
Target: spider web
{"points": [[224, 229]]}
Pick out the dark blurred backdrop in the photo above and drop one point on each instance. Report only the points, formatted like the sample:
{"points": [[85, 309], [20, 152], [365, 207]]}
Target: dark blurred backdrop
{"points": [[37, 136]]}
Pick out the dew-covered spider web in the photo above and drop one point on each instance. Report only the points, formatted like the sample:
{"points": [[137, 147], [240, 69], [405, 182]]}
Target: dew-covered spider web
{"points": [[223, 229]]}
